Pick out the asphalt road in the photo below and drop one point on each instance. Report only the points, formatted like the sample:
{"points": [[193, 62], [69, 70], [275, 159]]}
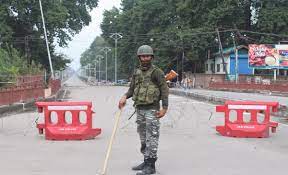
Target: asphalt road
{"points": [[189, 143]]}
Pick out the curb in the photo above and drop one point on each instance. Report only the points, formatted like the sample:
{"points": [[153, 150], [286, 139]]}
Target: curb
{"points": [[282, 110], [274, 93], [199, 97]]}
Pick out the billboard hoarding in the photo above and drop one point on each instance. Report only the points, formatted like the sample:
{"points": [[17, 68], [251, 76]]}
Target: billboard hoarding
{"points": [[268, 56]]}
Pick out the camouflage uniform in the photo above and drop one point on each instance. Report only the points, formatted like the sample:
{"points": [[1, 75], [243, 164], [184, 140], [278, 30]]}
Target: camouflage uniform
{"points": [[147, 88], [148, 124]]}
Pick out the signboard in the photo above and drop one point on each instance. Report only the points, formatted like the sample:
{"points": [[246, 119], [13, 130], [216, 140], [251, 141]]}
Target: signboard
{"points": [[268, 56]]}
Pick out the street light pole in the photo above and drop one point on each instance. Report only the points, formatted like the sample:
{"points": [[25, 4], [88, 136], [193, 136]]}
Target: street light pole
{"points": [[106, 50], [89, 71], [116, 37], [96, 69], [86, 71], [99, 69], [47, 43], [99, 57]]}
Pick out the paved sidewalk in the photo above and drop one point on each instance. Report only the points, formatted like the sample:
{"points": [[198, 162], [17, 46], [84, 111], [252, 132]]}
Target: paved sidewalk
{"points": [[221, 96]]}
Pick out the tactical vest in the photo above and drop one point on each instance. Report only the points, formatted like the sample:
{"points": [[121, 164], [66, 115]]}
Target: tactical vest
{"points": [[145, 92]]}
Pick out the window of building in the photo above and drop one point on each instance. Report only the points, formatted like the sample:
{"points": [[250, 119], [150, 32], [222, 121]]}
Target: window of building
{"points": [[218, 67], [212, 68], [206, 67]]}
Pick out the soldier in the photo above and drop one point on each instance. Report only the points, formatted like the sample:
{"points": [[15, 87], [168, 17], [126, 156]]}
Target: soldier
{"points": [[147, 88]]}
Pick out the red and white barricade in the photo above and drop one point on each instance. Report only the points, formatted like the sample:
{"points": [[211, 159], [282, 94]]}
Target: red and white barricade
{"points": [[63, 130], [252, 128]]}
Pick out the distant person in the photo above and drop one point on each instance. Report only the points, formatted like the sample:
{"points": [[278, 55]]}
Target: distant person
{"points": [[148, 86], [184, 83], [189, 83]]}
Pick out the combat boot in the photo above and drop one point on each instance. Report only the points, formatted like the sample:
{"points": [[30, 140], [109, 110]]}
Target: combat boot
{"points": [[149, 167], [141, 166]]}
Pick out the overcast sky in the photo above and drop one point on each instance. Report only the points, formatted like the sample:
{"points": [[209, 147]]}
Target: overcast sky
{"points": [[83, 40]]}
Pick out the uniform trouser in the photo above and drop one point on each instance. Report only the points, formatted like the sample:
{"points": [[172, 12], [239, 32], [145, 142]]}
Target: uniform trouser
{"points": [[148, 126]]}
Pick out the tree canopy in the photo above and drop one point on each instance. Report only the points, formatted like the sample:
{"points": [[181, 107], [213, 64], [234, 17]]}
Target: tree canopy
{"points": [[22, 29], [182, 32]]}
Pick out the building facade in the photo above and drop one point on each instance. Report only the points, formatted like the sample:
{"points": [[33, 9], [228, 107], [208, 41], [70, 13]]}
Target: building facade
{"points": [[215, 65]]}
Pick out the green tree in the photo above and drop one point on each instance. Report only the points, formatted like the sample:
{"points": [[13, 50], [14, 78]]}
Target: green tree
{"points": [[272, 17], [183, 31], [12, 65], [21, 26]]}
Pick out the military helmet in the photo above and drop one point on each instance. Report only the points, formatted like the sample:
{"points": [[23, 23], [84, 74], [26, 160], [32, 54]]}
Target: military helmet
{"points": [[145, 50]]}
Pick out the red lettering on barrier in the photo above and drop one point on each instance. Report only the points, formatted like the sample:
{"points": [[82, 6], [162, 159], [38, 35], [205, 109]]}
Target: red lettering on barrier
{"points": [[252, 128], [62, 130]]}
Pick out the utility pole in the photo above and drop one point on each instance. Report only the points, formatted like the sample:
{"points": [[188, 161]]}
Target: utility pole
{"points": [[106, 50], [221, 52], [99, 57], [116, 37], [183, 57], [177, 67], [135, 34], [236, 58], [27, 49], [46, 39], [183, 52]]}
